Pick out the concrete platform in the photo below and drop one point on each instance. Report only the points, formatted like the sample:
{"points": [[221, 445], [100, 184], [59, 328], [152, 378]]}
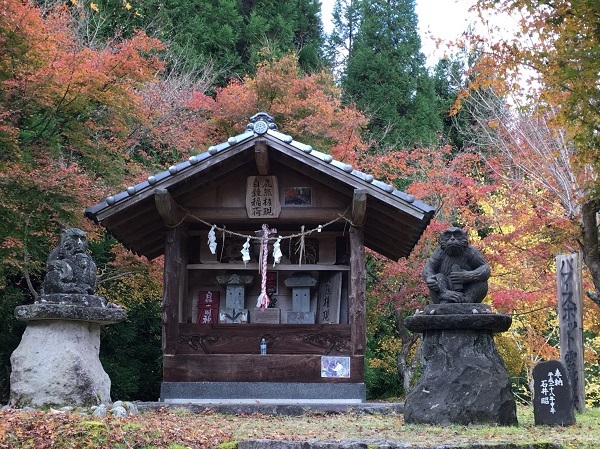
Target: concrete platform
{"points": [[262, 392], [286, 408]]}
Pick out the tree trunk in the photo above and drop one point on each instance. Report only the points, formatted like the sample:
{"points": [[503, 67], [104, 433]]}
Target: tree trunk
{"points": [[407, 365], [590, 244]]}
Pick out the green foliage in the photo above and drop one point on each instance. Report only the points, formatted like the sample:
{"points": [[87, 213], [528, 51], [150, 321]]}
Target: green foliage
{"points": [[383, 345], [228, 445], [131, 353], [386, 77], [447, 79], [592, 369], [345, 19], [227, 36], [29, 208], [10, 334]]}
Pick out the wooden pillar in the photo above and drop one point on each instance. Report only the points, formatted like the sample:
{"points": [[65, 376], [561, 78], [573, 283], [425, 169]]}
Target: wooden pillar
{"points": [[174, 279], [357, 287], [175, 269], [570, 321], [356, 291]]}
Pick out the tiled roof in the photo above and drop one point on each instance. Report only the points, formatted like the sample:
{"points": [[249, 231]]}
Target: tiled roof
{"points": [[112, 212]]}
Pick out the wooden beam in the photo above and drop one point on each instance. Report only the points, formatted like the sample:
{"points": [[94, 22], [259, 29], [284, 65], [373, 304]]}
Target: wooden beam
{"points": [[254, 368], [321, 339], [359, 207], [261, 155], [288, 214], [167, 207], [174, 279], [357, 291]]}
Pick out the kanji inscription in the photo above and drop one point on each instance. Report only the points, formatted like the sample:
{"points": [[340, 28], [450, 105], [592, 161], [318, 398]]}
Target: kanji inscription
{"points": [[262, 197], [570, 320]]}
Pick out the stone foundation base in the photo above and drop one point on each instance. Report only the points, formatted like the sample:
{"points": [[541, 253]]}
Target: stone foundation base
{"points": [[464, 378], [57, 363], [261, 392]]}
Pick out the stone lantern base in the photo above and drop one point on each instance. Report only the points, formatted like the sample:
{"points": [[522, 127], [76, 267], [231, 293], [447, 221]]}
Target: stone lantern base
{"points": [[57, 361], [464, 378]]}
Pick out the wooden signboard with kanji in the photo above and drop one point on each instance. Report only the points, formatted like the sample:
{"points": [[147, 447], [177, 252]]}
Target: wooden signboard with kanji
{"points": [[208, 306]]}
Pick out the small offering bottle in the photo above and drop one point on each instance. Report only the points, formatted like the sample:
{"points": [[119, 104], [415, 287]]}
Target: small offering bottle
{"points": [[263, 347]]}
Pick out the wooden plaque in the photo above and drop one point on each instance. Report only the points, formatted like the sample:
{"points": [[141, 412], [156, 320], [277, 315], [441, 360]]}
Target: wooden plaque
{"points": [[208, 306], [262, 197], [330, 292]]}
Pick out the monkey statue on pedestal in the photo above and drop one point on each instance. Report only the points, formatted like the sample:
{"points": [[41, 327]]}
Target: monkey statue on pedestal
{"points": [[456, 272]]}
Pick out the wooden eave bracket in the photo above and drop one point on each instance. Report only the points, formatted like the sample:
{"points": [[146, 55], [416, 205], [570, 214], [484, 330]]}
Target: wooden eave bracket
{"points": [[261, 155], [359, 207], [167, 207]]}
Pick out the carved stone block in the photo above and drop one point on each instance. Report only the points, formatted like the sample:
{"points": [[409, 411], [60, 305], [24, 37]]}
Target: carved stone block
{"points": [[301, 317], [236, 316], [265, 316]]}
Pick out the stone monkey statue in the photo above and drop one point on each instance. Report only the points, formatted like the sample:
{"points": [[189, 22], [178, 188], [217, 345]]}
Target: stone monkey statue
{"points": [[456, 272], [69, 269]]}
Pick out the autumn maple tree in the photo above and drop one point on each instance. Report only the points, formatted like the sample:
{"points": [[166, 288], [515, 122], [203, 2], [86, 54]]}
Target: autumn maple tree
{"points": [[68, 118], [68, 114], [550, 143], [307, 105]]}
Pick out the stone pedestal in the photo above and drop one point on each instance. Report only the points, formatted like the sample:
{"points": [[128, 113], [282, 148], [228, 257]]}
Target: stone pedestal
{"points": [[464, 378], [57, 361], [265, 316], [235, 298], [300, 283]]}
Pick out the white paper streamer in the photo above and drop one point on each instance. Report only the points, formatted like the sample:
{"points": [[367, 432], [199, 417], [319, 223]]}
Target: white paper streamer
{"points": [[246, 251], [277, 254], [212, 240]]}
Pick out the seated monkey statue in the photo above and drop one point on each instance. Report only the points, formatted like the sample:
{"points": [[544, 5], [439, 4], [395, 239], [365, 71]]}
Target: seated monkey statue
{"points": [[69, 268], [456, 272]]}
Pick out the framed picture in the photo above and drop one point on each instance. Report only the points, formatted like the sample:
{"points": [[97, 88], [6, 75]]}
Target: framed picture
{"points": [[297, 196], [335, 366]]}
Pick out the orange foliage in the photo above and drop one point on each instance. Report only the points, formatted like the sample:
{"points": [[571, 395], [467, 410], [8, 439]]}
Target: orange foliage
{"points": [[67, 115], [305, 106], [54, 90], [518, 238]]}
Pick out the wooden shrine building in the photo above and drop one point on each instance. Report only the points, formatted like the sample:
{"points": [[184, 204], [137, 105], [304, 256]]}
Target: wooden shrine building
{"points": [[263, 214]]}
